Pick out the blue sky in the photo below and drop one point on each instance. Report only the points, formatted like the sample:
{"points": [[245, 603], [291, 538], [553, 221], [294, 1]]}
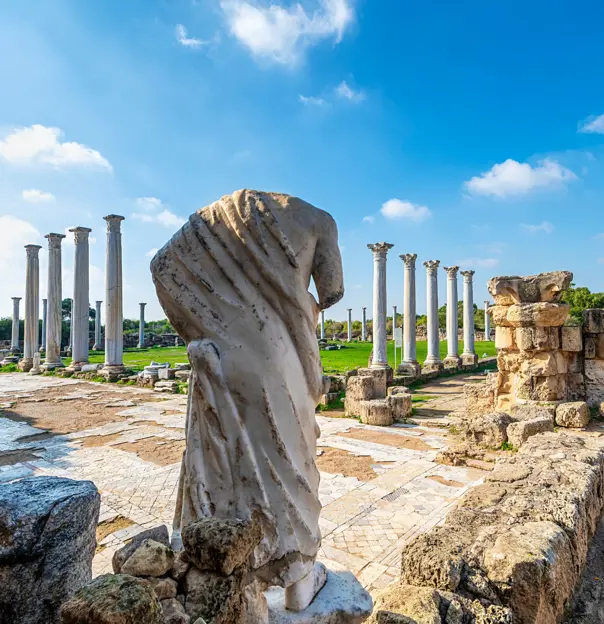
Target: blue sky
{"points": [[467, 132]]}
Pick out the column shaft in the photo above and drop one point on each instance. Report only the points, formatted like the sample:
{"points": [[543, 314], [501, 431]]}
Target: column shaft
{"points": [[97, 327], [452, 359], [469, 354], [114, 315], [322, 324], [14, 342], [364, 326], [32, 307], [394, 317], [433, 361], [410, 364], [487, 322], [141, 326], [380, 356], [55, 314], [80, 309], [349, 328], [44, 323]]}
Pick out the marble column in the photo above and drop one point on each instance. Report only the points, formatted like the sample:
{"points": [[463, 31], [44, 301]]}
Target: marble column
{"points": [[394, 317], [70, 342], [322, 324], [141, 326], [364, 326], [44, 324], [349, 325], [97, 327], [80, 308], [14, 342], [380, 357], [487, 322], [452, 360], [114, 314], [55, 316], [433, 361], [409, 365], [32, 307], [468, 357]]}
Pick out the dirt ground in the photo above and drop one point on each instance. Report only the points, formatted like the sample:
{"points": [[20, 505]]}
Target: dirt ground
{"points": [[389, 439], [108, 527], [98, 440], [444, 481], [337, 461], [157, 450]]}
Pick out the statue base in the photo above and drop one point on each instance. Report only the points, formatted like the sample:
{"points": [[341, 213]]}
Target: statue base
{"points": [[410, 368], [112, 371], [432, 367], [52, 365], [26, 364], [342, 600], [452, 362], [469, 360]]}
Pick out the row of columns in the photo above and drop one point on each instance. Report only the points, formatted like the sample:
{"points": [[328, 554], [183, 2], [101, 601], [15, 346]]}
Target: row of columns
{"points": [[52, 312]]}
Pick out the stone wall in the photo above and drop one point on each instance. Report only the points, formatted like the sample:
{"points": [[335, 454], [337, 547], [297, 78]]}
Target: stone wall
{"points": [[514, 548], [593, 338]]}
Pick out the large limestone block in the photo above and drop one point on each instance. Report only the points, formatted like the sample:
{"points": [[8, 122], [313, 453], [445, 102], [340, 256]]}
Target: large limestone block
{"points": [[537, 314], [377, 412], [594, 382], [114, 599], [487, 430], [591, 346], [551, 388], [519, 432], [549, 287], [401, 405], [215, 598], [157, 534], [47, 542], [593, 320], [421, 605], [149, 559], [537, 338], [380, 380], [359, 388], [573, 414], [220, 544], [572, 338], [505, 338], [575, 387], [480, 397], [499, 314]]}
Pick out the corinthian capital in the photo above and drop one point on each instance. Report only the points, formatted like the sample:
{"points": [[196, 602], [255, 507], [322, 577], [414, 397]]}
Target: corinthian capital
{"points": [[409, 260], [467, 275], [80, 234], [114, 222], [380, 249], [432, 265], [32, 250], [54, 240], [451, 271]]}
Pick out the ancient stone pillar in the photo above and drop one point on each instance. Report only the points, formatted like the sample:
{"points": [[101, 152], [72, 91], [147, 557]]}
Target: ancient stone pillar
{"points": [[14, 342], [468, 357], [322, 324], [349, 325], [32, 307], [80, 307], [433, 361], [141, 326], [364, 326], [410, 365], [487, 322], [538, 359], [55, 314], [452, 360], [97, 327], [114, 315], [44, 324], [394, 317], [380, 357]]}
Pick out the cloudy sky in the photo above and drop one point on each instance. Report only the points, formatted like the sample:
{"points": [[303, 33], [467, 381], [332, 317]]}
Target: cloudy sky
{"points": [[470, 132]]}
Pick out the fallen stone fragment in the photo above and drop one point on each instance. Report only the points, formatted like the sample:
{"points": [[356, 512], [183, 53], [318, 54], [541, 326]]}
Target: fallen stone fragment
{"points": [[170, 387], [487, 430], [113, 599], [376, 412], [174, 612], [216, 598], [575, 414], [519, 432], [507, 290], [164, 588], [180, 566], [220, 544], [149, 559], [158, 534], [418, 604]]}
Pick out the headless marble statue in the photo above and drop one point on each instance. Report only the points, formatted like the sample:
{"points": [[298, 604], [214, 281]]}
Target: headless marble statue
{"points": [[234, 284]]}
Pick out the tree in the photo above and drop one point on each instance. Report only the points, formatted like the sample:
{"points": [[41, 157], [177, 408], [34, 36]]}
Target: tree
{"points": [[581, 298]]}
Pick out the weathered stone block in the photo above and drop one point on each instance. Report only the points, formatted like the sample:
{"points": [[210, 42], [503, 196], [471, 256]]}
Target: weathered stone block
{"points": [[537, 338], [575, 387], [487, 430], [499, 314], [174, 612], [169, 387], [220, 544], [537, 314], [167, 374], [149, 559], [330, 397], [109, 599], [380, 380], [469, 360], [519, 432], [505, 338], [594, 382], [593, 321], [401, 405], [548, 388], [398, 390], [572, 338], [213, 597], [480, 397], [591, 347], [47, 542], [359, 388], [540, 364], [507, 290], [431, 370], [157, 534], [575, 414], [377, 412], [599, 340]]}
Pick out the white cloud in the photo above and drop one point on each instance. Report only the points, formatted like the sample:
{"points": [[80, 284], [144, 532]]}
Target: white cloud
{"points": [[312, 101], [479, 263], [368, 219], [283, 33], [544, 226], [152, 252], [403, 209], [188, 42], [39, 145], [152, 210], [343, 90], [513, 178], [593, 125], [35, 196]]}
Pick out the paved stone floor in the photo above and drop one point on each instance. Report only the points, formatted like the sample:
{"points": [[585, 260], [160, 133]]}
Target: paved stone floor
{"points": [[132, 457]]}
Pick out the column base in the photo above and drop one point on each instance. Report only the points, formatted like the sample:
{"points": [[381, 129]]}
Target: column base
{"points": [[469, 359], [452, 362], [434, 366], [112, 371], [412, 368], [26, 364], [75, 367], [52, 365]]}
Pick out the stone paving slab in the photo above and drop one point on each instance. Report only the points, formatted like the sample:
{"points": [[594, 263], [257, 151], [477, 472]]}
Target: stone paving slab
{"points": [[364, 524]]}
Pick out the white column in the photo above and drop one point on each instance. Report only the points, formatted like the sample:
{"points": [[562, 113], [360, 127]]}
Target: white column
{"points": [[114, 314], [364, 326], [32, 307], [394, 317], [349, 324], [433, 361], [452, 360], [380, 357], [322, 324], [70, 341], [55, 316], [468, 357], [14, 342], [97, 327], [44, 324], [141, 326], [487, 322], [80, 308], [410, 364]]}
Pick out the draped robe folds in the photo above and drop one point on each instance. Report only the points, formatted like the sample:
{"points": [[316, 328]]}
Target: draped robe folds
{"points": [[230, 284]]}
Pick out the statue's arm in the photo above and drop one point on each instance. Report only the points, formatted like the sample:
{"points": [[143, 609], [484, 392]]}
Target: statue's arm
{"points": [[327, 265]]}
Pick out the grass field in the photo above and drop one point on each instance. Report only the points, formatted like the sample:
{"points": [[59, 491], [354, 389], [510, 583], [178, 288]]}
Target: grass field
{"points": [[355, 354]]}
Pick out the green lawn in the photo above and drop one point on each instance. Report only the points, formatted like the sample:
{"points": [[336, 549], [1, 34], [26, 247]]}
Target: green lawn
{"points": [[355, 355]]}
